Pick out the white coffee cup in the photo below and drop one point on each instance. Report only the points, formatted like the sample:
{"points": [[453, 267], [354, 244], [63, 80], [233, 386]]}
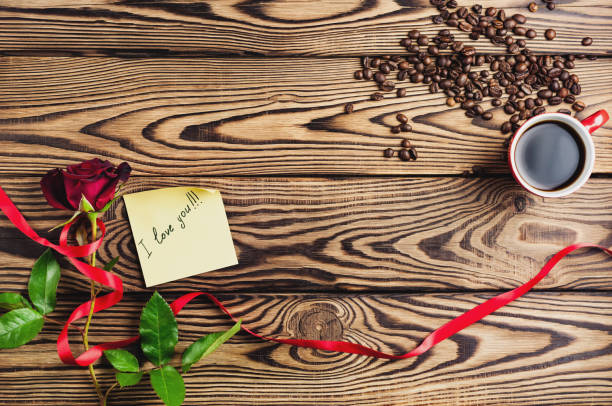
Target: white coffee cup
{"points": [[582, 130]]}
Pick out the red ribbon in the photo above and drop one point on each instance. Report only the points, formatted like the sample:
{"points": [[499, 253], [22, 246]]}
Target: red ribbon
{"points": [[112, 281]]}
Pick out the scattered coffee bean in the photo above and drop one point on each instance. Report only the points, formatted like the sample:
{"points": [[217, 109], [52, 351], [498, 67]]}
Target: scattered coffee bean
{"points": [[395, 129], [401, 92], [404, 155], [348, 108], [487, 116], [531, 34], [402, 118], [550, 34], [406, 143], [550, 5], [388, 153], [496, 102], [565, 111], [450, 101], [405, 127], [519, 18], [586, 41], [377, 96], [506, 127], [412, 152], [578, 105], [533, 7]]}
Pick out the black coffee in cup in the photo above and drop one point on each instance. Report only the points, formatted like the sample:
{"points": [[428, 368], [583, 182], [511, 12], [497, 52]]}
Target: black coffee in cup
{"points": [[550, 155]]}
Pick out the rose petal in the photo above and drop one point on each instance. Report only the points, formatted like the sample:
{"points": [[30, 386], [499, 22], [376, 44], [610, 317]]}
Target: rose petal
{"points": [[52, 186]]}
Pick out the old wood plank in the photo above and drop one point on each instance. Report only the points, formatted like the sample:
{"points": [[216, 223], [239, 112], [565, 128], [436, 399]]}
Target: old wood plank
{"points": [[358, 234], [545, 348], [246, 116], [320, 28]]}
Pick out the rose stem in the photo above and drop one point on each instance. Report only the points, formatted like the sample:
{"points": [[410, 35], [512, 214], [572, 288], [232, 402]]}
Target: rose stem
{"points": [[103, 403], [92, 262]]}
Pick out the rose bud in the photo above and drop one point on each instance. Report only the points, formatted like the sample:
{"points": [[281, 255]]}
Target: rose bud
{"points": [[95, 179]]}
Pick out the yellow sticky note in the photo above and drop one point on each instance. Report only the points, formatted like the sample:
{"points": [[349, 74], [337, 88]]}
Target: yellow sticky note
{"points": [[179, 232]]}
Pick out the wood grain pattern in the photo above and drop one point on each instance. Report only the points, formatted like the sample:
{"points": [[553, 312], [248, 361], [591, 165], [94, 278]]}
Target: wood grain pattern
{"points": [[272, 28], [545, 349], [359, 234], [251, 116]]}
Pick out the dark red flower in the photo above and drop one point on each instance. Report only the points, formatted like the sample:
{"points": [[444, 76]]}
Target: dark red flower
{"points": [[95, 179]]}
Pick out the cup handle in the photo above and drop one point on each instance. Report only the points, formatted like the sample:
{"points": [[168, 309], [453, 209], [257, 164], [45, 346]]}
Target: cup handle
{"points": [[596, 120]]}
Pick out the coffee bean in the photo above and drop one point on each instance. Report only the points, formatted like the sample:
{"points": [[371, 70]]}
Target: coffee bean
{"points": [[514, 49], [521, 43], [525, 88], [478, 110], [433, 50], [406, 42], [550, 34], [538, 101], [402, 118], [358, 74], [550, 5], [570, 99], [576, 89], [506, 127], [514, 119], [533, 7], [388, 153], [395, 129], [437, 19], [521, 67], [379, 77], [406, 127], [401, 92], [404, 155], [508, 109], [377, 96], [385, 68], [468, 51], [578, 105], [487, 116], [414, 34], [519, 18], [531, 34], [462, 12], [406, 143], [529, 103], [450, 102], [368, 73], [586, 41], [496, 102], [565, 111], [422, 40], [387, 86], [348, 108], [563, 92], [519, 30], [539, 110], [545, 94], [555, 100]]}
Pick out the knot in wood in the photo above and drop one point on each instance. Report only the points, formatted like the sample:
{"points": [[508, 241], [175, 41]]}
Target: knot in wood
{"points": [[319, 322]]}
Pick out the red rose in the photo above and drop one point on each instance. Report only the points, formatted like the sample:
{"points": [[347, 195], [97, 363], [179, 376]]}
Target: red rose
{"points": [[95, 179]]}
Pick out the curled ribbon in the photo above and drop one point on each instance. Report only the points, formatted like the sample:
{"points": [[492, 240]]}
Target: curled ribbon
{"points": [[112, 281]]}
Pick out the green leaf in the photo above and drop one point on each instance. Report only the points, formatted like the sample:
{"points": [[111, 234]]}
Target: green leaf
{"points": [[158, 330], [168, 385], [12, 301], [17, 327], [206, 345], [111, 264], [43, 282], [74, 216], [85, 206], [122, 360], [128, 379]]}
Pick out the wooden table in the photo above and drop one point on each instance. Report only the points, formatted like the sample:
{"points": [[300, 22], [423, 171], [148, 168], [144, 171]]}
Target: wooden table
{"points": [[334, 241]]}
